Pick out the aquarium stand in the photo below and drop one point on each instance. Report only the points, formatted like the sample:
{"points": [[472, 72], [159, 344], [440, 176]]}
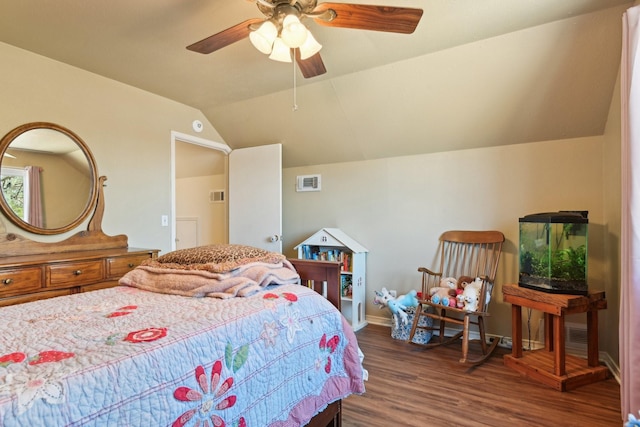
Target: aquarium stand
{"points": [[551, 365], [568, 288]]}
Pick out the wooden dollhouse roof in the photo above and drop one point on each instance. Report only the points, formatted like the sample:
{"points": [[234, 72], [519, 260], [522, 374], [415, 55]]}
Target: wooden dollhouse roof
{"points": [[339, 236]]}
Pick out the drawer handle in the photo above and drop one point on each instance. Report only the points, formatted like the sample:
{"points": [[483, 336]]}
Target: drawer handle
{"points": [[131, 265], [77, 272], [7, 281]]}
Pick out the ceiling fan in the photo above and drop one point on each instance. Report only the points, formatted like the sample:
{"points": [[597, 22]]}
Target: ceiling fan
{"points": [[281, 33]]}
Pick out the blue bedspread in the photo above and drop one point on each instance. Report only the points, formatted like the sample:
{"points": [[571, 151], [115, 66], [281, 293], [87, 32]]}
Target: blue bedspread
{"points": [[128, 357]]}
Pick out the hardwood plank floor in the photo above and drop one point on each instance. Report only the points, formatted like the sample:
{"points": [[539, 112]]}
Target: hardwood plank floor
{"points": [[411, 386]]}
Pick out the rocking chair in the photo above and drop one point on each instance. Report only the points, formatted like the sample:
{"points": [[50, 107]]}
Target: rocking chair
{"points": [[471, 254]]}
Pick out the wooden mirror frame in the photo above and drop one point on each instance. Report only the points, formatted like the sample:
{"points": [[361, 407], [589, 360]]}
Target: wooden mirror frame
{"points": [[6, 141]]}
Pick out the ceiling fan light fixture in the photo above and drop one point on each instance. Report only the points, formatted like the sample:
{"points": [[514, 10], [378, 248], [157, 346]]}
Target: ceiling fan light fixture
{"points": [[310, 47], [294, 33], [281, 52], [263, 38]]}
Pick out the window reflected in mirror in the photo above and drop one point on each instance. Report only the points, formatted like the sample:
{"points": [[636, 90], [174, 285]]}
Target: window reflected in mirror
{"points": [[13, 188]]}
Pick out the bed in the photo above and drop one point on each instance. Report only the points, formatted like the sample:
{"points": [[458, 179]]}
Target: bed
{"points": [[282, 355]]}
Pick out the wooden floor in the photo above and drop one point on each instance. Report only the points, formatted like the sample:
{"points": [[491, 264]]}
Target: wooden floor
{"points": [[410, 386]]}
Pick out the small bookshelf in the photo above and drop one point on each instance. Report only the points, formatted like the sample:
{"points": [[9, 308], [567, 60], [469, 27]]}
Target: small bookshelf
{"points": [[332, 244]]}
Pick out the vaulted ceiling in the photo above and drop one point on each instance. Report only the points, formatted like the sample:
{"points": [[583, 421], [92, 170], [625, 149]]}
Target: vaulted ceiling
{"points": [[475, 73]]}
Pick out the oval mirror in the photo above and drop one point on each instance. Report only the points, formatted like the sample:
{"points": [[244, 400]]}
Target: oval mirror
{"points": [[48, 178]]}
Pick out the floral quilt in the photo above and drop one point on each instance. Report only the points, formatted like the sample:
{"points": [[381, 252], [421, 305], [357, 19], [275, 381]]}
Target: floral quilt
{"points": [[128, 357]]}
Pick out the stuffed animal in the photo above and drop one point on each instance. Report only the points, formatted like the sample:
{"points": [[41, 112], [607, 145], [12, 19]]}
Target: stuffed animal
{"points": [[460, 300], [409, 299], [471, 294], [398, 305], [470, 298], [442, 292], [448, 282], [463, 281], [382, 298]]}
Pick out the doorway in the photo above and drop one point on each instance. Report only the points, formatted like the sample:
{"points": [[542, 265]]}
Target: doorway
{"points": [[199, 176]]}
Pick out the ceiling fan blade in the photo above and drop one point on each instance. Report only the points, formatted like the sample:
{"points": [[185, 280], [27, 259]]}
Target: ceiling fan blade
{"points": [[225, 38], [365, 17], [310, 67]]}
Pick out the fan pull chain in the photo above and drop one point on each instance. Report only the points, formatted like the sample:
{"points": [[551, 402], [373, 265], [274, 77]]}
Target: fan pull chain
{"points": [[295, 94]]}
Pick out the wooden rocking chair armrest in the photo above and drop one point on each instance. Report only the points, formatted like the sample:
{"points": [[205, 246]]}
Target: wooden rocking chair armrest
{"points": [[425, 270]]}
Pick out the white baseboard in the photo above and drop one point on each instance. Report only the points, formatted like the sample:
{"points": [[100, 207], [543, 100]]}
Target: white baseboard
{"points": [[505, 342], [379, 320]]}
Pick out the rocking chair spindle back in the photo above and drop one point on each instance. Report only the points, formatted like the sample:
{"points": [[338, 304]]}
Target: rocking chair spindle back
{"points": [[472, 254]]}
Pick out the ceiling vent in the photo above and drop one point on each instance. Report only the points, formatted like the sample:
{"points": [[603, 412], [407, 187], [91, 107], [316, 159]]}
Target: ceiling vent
{"points": [[308, 183], [216, 196]]}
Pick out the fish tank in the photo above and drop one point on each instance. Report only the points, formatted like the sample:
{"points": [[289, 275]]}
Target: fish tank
{"points": [[553, 252]]}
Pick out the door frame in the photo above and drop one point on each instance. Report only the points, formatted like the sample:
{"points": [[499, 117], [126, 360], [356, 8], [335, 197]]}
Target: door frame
{"points": [[190, 139]]}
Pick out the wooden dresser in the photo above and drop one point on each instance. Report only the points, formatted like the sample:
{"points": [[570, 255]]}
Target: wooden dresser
{"points": [[32, 277], [32, 267]]}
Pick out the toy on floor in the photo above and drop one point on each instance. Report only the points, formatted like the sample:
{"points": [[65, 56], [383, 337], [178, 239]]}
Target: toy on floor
{"points": [[398, 305]]}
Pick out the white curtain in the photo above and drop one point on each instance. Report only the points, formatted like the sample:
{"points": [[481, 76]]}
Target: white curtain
{"points": [[630, 233], [35, 197]]}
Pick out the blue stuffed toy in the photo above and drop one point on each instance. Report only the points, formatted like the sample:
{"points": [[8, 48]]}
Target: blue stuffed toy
{"points": [[632, 421], [398, 305]]}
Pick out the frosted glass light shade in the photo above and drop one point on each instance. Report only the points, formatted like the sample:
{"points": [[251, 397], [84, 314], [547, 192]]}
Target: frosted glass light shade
{"points": [[262, 38], [310, 47], [281, 52], [293, 32]]}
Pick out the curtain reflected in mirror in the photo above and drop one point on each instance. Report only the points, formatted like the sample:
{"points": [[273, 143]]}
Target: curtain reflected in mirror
{"points": [[48, 178], [33, 197]]}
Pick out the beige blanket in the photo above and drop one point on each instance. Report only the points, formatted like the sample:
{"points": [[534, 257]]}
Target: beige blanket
{"points": [[240, 282]]}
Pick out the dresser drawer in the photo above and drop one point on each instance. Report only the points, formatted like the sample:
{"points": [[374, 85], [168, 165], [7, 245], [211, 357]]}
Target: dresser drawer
{"points": [[119, 266], [20, 281], [74, 273], [99, 285], [34, 297]]}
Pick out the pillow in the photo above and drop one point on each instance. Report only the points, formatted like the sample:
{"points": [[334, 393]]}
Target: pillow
{"points": [[216, 258]]}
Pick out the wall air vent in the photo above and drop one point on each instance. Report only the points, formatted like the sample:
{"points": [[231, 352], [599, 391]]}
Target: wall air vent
{"points": [[308, 183], [576, 335], [216, 196]]}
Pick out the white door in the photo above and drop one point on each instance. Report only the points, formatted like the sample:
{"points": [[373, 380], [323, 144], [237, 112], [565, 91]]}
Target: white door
{"points": [[255, 197], [186, 233]]}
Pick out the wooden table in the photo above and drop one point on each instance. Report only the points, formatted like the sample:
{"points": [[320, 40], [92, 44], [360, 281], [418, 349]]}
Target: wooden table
{"points": [[551, 365]]}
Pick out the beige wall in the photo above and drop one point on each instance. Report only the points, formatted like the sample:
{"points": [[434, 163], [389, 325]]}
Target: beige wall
{"points": [[192, 200], [612, 206], [398, 207], [128, 131]]}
